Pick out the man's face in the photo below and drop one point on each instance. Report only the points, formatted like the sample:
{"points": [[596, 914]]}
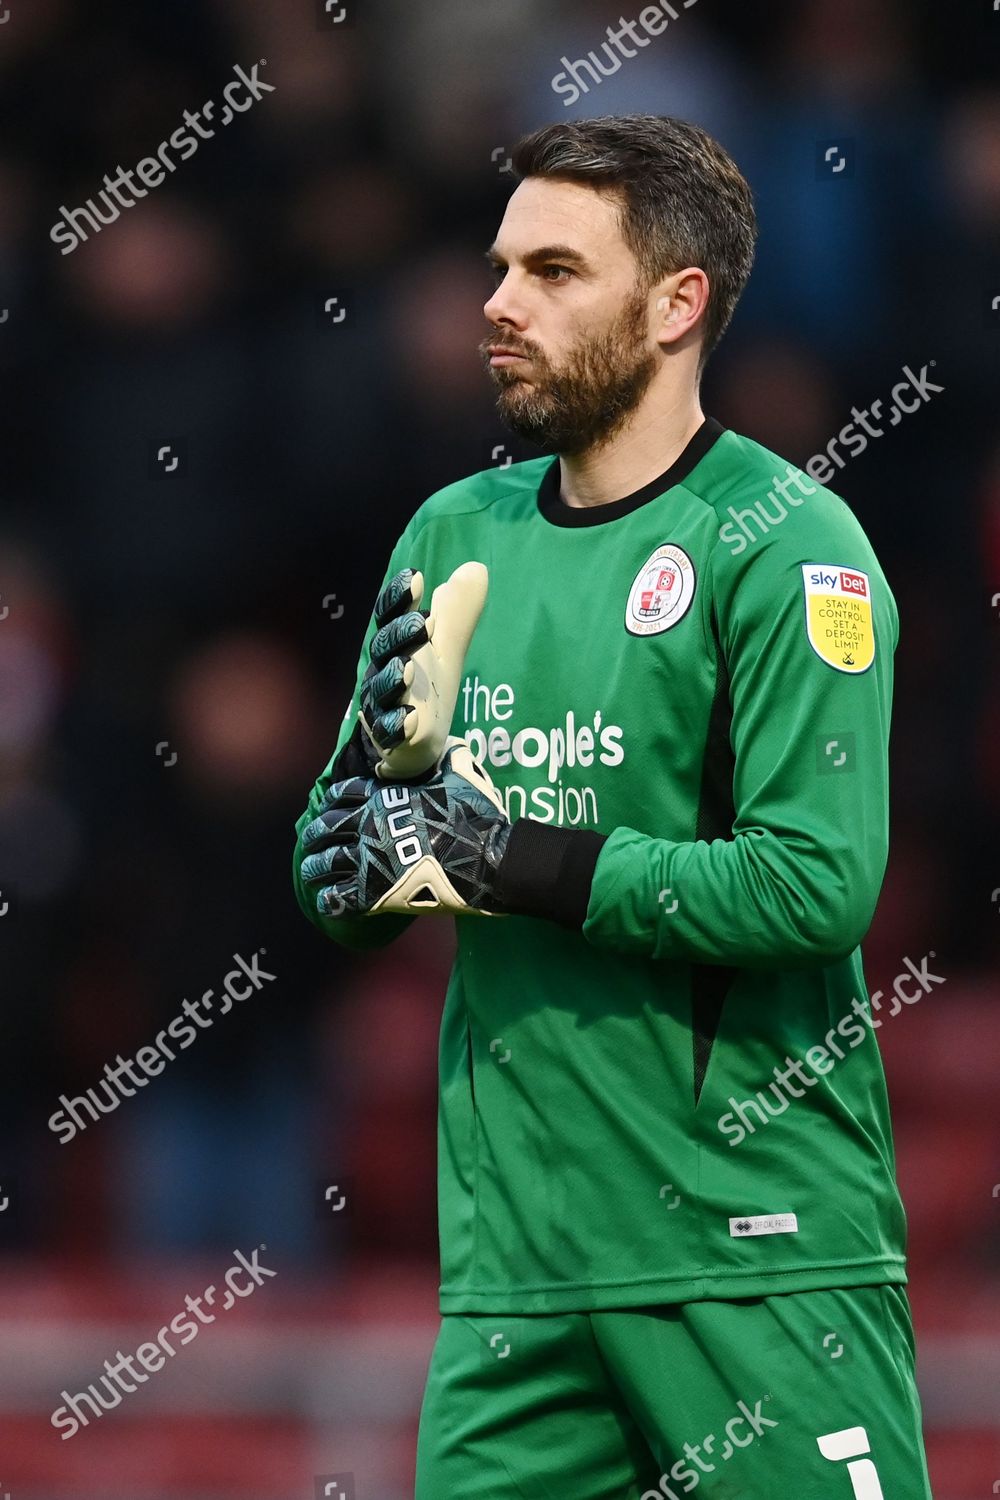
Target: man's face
{"points": [[567, 300]]}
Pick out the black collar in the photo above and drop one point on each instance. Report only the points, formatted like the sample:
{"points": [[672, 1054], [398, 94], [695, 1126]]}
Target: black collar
{"points": [[552, 506]]}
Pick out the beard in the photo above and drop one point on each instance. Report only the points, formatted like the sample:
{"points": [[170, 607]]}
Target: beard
{"points": [[584, 403]]}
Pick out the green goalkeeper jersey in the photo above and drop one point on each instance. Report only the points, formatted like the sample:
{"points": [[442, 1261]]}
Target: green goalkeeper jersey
{"points": [[664, 1085]]}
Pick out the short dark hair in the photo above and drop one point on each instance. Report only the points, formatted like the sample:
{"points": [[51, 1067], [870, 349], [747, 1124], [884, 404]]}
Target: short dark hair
{"points": [[684, 201]]}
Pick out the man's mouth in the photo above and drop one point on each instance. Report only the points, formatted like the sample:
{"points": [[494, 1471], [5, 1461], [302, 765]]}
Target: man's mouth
{"points": [[502, 356]]}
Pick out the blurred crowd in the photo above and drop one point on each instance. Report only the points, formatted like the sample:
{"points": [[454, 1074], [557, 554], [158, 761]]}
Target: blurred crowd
{"points": [[177, 644]]}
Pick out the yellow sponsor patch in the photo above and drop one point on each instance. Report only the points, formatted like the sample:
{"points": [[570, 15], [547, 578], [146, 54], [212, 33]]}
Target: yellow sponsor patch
{"points": [[839, 616]]}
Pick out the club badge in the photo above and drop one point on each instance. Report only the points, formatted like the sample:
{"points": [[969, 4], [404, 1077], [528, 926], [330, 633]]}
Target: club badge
{"points": [[662, 592]]}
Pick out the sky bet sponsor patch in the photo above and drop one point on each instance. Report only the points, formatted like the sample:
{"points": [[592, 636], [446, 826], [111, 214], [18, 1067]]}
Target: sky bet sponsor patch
{"points": [[839, 616]]}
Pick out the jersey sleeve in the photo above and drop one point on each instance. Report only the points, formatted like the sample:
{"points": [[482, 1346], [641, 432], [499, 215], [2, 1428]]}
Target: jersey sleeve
{"points": [[352, 932], [797, 883]]}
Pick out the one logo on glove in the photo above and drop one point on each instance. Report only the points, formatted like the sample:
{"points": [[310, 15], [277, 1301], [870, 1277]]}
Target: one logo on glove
{"points": [[402, 829]]}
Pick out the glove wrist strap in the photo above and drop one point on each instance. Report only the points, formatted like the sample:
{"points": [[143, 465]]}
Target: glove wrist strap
{"points": [[548, 871]]}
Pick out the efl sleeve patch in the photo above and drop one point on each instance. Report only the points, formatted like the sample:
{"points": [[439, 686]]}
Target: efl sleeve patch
{"points": [[839, 616]]}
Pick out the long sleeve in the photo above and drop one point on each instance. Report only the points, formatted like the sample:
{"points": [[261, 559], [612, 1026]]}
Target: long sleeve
{"points": [[797, 883]]}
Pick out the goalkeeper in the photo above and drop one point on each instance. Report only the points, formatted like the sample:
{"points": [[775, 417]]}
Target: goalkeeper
{"points": [[672, 1244]]}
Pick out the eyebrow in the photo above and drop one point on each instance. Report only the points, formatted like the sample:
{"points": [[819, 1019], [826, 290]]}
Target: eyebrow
{"points": [[545, 253]]}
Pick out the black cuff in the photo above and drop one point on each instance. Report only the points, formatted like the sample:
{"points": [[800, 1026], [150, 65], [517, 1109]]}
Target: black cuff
{"points": [[547, 871]]}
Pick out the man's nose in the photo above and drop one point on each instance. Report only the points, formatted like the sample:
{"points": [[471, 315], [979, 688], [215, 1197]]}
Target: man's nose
{"points": [[502, 306]]}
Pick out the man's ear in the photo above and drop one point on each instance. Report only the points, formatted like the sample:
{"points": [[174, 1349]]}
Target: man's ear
{"points": [[681, 304]]}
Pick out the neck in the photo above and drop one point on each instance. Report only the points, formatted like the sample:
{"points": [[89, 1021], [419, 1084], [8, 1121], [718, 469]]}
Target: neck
{"points": [[652, 440]]}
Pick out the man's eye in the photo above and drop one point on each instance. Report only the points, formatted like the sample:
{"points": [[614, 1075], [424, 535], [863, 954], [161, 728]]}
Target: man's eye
{"points": [[559, 270]]}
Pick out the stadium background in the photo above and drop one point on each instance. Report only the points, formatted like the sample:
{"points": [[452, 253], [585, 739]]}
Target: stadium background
{"points": [[176, 650]]}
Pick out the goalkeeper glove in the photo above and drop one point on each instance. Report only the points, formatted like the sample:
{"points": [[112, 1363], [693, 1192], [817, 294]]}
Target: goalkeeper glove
{"points": [[430, 846], [401, 629], [410, 687], [400, 632]]}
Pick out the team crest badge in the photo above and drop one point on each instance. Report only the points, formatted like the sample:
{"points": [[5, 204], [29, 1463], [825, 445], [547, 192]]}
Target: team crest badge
{"points": [[839, 616], [662, 592]]}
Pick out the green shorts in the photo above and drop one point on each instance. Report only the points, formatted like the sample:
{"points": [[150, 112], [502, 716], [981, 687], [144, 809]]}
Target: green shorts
{"points": [[809, 1394]]}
